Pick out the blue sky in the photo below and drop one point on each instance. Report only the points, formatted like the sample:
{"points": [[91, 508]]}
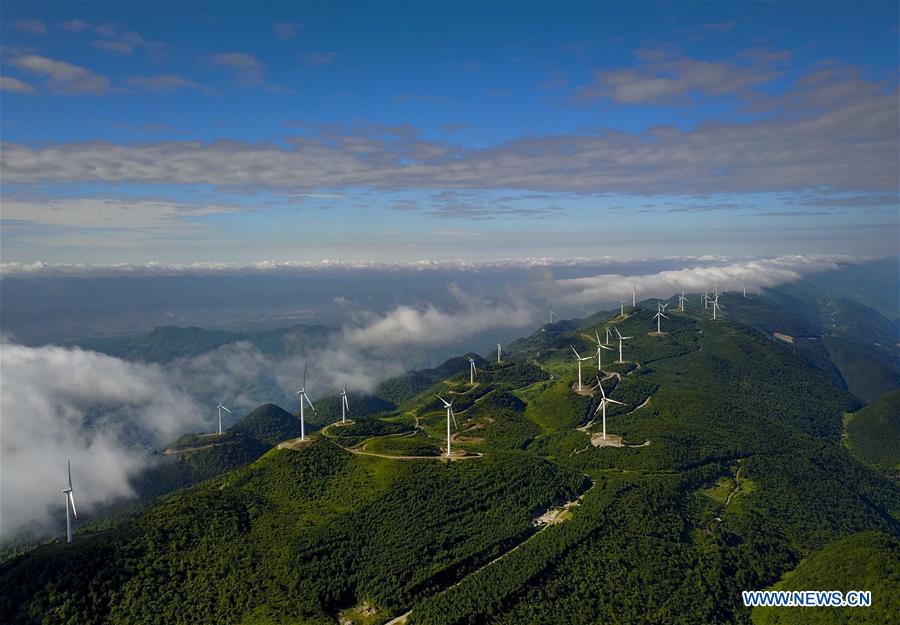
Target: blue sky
{"points": [[181, 132]]}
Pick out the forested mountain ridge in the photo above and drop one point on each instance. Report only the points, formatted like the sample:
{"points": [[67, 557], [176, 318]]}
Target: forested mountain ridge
{"points": [[721, 473]]}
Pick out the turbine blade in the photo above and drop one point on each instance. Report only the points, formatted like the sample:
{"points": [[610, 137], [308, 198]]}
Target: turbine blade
{"points": [[309, 401], [613, 401], [71, 496], [226, 409], [69, 464], [453, 415], [305, 365]]}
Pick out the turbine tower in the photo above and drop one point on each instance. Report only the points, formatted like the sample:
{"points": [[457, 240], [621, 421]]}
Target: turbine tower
{"points": [[602, 407], [745, 290], [659, 317], [621, 338], [220, 408], [450, 415], [472, 371], [600, 347], [633, 296], [499, 351], [304, 396], [70, 504], [345, 405], [622, 307], [578, 356], [681, 300]]}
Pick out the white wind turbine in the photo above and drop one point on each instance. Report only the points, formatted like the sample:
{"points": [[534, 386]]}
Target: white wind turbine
{"points": [[681, 300], [70, 504], [304, 396], [608, 334], [659, 317], [602, 407], [220, 408], [600, 348], [579, 357], [633, 295], [345, 405], [622, 307], [551, 316], [499, 351], [745, 290], [621, 338], [705, 299], [450, 415], [715, 306], [472, 371]]}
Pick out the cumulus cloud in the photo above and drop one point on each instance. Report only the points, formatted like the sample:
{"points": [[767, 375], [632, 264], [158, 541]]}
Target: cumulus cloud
{"points": [[664, 80], [163, 83], [836, 131], [68, 403], [759, 273], [245, 69], [408, 326], [63, 77], [123, 41], [14, 85]]}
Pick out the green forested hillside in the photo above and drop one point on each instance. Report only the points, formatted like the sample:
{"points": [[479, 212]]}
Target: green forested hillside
{"points": [[873, 434], [865, 561], [723, 471]]}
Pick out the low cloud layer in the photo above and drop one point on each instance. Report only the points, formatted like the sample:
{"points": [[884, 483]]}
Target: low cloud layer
{"points": [[61, 404], [761, 273]]}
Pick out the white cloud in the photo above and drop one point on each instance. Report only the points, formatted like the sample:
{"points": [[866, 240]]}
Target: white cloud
{"points": [[163, 83], [245, 68], [795, 148], [14, 85], [67, 403], [764, 273], [64, 77], [107, 213]]}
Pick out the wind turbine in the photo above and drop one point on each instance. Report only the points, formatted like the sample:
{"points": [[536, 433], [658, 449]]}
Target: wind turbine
{"points": [[715, 306], [622, 307], [70, 504], [659, 317], [220, 408], [579, 357], [472, 371], [600, 347], [450, 415], [633, 296], [498, 353], [304, 396], [705, 299], [745, 290], [681, 300], [602, 407], [551, 316], [608, 334], [345, 405], [621, 338]]}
